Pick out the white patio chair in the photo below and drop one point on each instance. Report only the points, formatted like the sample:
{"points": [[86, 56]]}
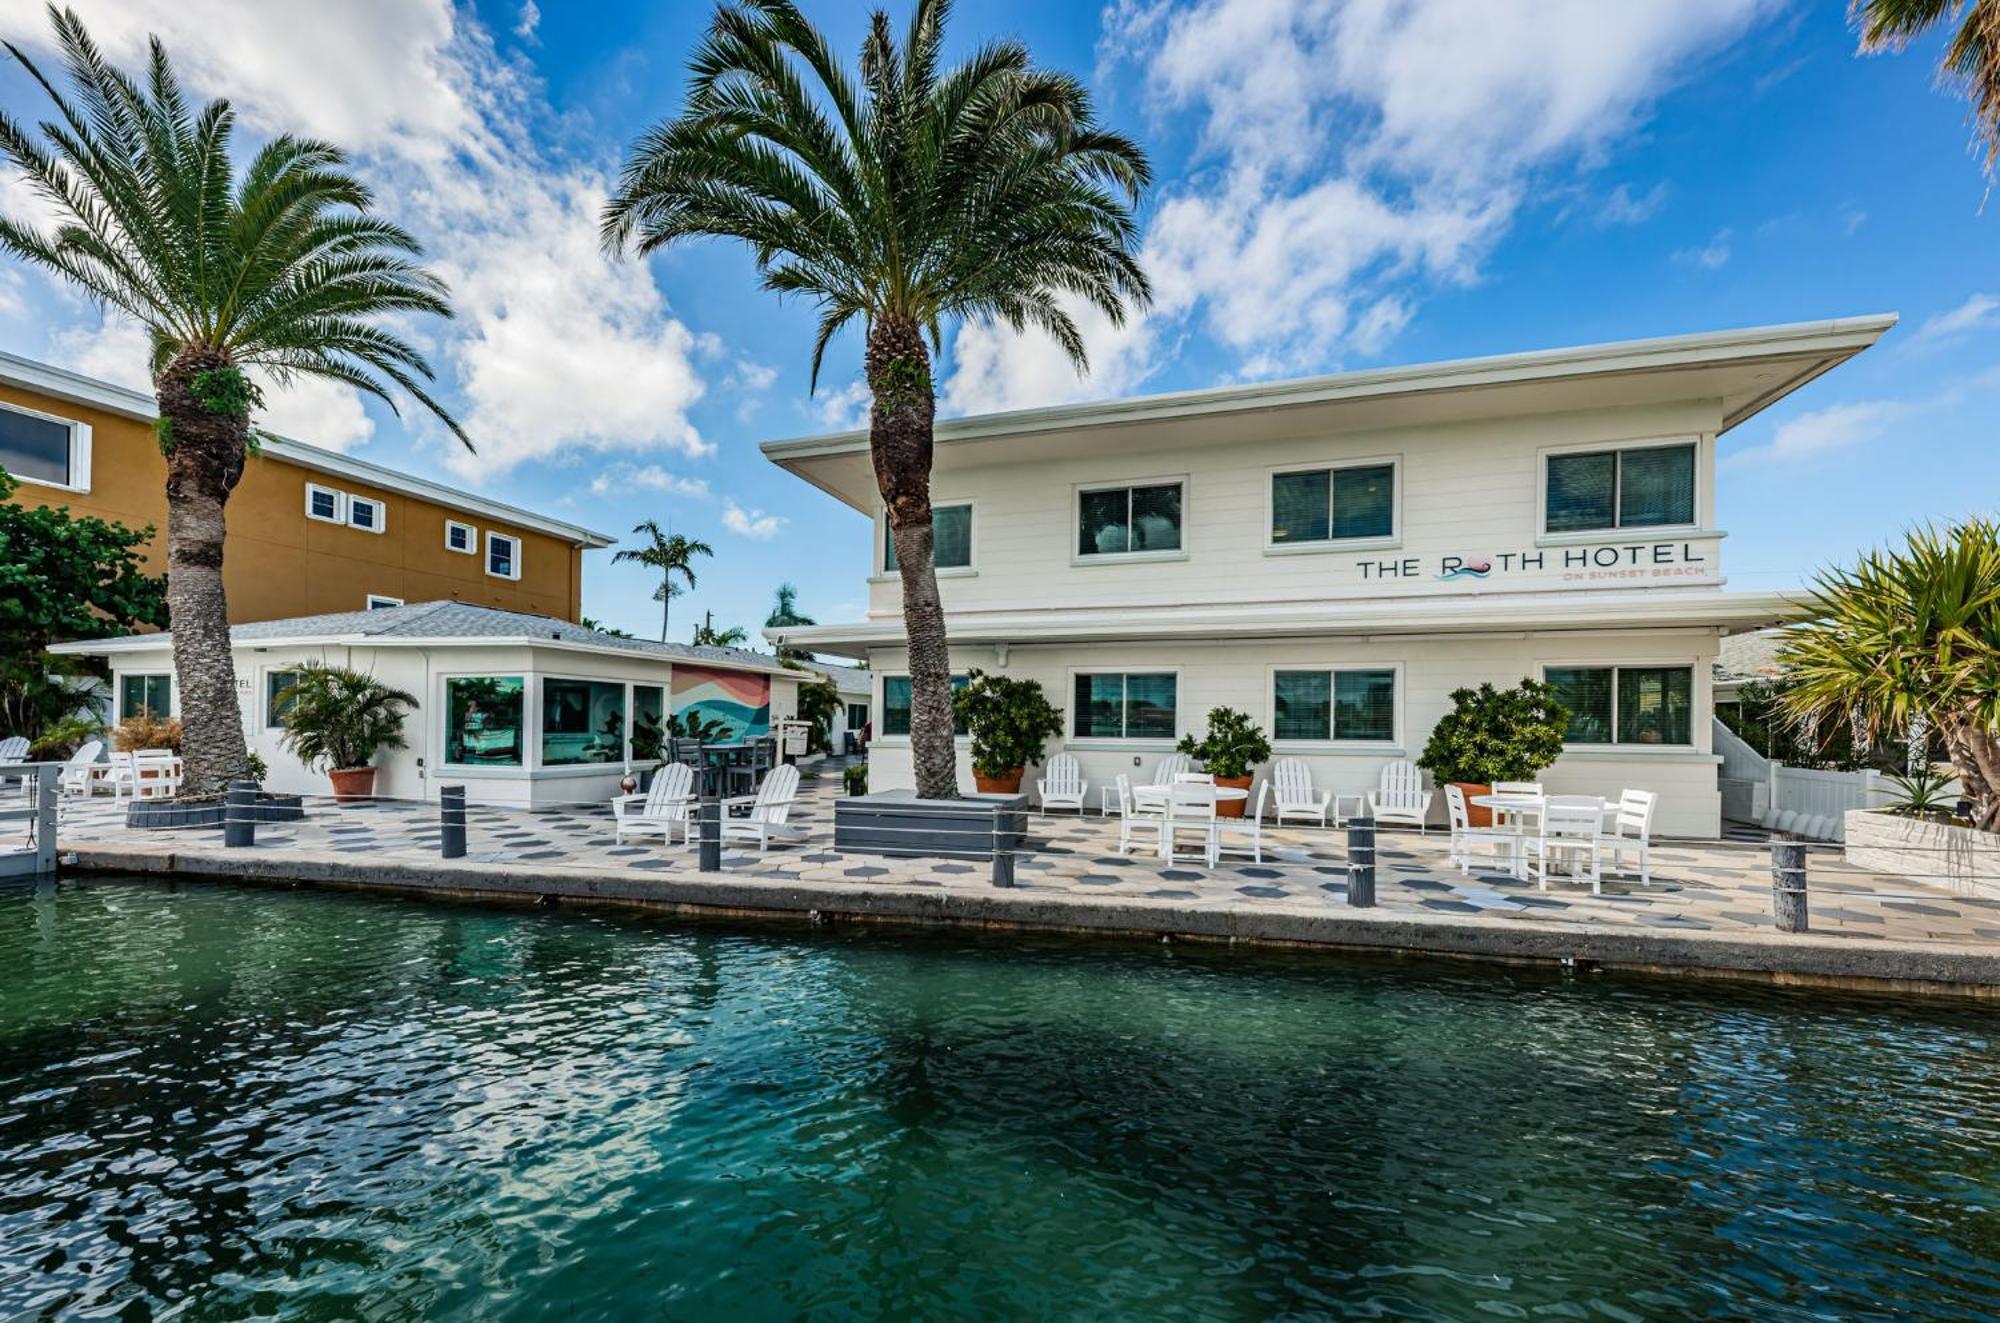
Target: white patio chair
{"points": [[1571, 833], [146, 774], [1194, 778], [769, 808], [1465, 838], [1400, 796], [1298, 798], [1132, 812], [74, 778], [1169, 767], [14, 749], [669, 800], [1514, 818], [1062, 785], [1246, 832], [1632, 832], [1190, 807]]}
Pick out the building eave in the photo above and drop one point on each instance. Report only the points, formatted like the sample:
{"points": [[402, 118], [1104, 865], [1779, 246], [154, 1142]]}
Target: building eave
{"points": [[143, 643]]}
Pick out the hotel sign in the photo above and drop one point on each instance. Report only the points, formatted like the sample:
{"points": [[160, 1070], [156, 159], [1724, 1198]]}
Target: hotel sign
{"points": [[1585, 564]]}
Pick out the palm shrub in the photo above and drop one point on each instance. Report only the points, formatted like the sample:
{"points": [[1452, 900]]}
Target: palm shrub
{"points": [[1010, 722], [1910, 636], [337, 719], [903, 195], [1231, 746], [1493, 734], [276, 264]]}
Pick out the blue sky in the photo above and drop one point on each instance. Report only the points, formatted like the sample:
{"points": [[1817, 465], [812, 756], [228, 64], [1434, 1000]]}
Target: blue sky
{"points": [[1341, 184]]}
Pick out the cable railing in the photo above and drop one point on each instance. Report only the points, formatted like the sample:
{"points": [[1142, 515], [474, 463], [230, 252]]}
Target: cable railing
{"points": [[28, 797]]}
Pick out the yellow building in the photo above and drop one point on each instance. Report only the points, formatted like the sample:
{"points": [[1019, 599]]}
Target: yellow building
{"points": [[310, 531]]}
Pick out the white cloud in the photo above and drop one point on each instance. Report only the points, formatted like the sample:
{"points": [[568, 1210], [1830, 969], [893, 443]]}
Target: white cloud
{"points": [[530, 23], [752, 523], [12, 300], [993, 369], [1711, 256], [1836, 427], [623, 477], [841, 410], [1623, 208], [1976, 313]]}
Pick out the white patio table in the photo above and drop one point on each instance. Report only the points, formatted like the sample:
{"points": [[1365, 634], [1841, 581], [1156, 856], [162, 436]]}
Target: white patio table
{"points": [[1518, 809], [1155, 797]]}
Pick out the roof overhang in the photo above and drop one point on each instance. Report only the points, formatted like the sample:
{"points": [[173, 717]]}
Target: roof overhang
{"points": [[1492, 615], [143, 643], [1745, 371]]}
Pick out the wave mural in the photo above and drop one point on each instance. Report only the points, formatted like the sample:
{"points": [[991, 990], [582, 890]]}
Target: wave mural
{"points": [[738, 701]]}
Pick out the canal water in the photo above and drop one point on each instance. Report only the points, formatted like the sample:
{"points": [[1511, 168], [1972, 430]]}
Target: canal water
{"points": [[220, 1103]]}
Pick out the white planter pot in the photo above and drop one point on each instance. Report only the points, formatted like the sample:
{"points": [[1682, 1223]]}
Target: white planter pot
{"points": [[1965, 860]]}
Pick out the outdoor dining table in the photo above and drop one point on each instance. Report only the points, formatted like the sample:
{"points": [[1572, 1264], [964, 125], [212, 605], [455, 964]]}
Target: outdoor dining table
{"points": [[1519, 807], [1157, 796]]}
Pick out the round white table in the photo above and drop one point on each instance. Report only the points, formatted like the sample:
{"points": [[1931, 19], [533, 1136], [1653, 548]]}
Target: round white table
{"points": [[1518, 807], [1158, 795]]}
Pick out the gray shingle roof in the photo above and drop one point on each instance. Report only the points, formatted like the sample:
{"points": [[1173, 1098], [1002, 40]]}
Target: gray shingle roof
{"points": [[1749, 656]]}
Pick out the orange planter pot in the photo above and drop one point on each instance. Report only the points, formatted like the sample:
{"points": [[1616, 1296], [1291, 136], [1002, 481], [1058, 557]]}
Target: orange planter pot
{"points": [[1010, 784], [1476, 815], [352, 783], [1233, 808]]}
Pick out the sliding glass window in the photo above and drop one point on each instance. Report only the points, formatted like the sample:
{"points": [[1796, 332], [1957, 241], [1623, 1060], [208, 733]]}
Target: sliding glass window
{"points": [[1333, 706], [1638, 487], [1123, 521], [1333, 504]]}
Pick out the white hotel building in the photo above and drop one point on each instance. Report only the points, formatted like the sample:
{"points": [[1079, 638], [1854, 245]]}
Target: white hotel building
{"points": [[1336, 555]]}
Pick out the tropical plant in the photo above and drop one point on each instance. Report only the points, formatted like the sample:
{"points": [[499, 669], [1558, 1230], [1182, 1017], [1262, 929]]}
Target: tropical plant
{"points": [[143, 730], [649, 738], [706, 635], [1911, 635], [63, 737], [854, 778], [274, 265], [1923, 793], [1009, 720], [1232, 745], [337, 719], [903, 195], [819, 702], [668, 553], [603, 628], [785, 614], [691, 725], [1493, 734], [1971, 63]]}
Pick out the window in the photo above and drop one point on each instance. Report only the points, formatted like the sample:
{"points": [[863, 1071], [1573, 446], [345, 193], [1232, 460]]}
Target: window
{"points": [[1332, 505], [44, 449], [1626, 704], [276, 702], [857, 716], [1123, 521], [1125, 707], [583, 721], [145, 693], [462, 538], [367, 514], [377, 602], [896, 703], [1639, 487], [1328, 706], [649, 721], [482, 715], [951, 539], [325, 504], [503, 556]]}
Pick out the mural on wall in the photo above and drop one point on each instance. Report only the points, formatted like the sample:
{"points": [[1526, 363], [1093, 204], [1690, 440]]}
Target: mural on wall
{"points": [[740, 702]]}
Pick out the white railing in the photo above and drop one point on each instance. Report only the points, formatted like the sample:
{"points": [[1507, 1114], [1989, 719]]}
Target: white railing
{"points": [[1799, 800], [27, 818]]}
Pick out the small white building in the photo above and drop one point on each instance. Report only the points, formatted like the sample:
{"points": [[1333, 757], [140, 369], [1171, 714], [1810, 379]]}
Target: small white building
{"points": [[520, 709], [1336, 555], [857, 691]]}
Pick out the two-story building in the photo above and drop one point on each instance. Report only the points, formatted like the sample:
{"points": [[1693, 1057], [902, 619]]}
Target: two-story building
{"points": [[310, 531], [1336, 555]]}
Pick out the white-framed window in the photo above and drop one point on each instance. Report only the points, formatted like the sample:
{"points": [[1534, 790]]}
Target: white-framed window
{"points": [[44, 448], [325, 504], [951, 538], [1626, 704], [1334, 704], [503, 555], [1131, 520], [277, 703], [1322, 506], [857, 715], [462, 538], [1609, 488], [896, 704], [485, 720], [145, 692], [1125, 705], [382, 601], [368, 514]]}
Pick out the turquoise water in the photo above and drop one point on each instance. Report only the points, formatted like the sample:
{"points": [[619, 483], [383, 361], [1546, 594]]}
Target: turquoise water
{"points": [[220, 1103]]}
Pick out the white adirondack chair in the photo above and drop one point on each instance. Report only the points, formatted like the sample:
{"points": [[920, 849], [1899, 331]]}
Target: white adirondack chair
{"points": [[1244, 835], [669, 800], [1190, 808], [1298, 798], [145, 774], [768, 808], [1465, 838], [14, 749], [74, 779], [1632, 832], [1170, 767], [1400, 796], [1062, 784], [1573, 834]]}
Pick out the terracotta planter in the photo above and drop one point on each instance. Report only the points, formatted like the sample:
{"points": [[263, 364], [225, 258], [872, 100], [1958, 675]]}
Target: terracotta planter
{"points": [[352, 783], [1010, 784], [1476, 815], [1233, 808]]}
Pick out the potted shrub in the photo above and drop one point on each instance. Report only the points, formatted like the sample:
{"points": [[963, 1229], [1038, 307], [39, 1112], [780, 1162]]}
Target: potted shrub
{"points": [[338, 719], [1493, 735], [1232, 746], [1010, 721]]}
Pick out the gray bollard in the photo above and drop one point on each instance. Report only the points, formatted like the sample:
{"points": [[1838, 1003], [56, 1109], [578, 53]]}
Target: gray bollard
{"points": [[1008, 828], [451, 822], [1361, 862], [239, 808], [45, 819], [711, 834], [1788, 885]]}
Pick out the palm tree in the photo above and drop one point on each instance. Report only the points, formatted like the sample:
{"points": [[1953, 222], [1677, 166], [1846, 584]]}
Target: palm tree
{"points": [[706, 635], [279, 266], [1910, 638], [670, 554], [904, 195], [785, 613], [1971, 63]]}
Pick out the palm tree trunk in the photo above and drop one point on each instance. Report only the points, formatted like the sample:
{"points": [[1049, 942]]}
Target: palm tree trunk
{"points": [[1975, 756], [900, 418], [205, 453], [666, 603]]}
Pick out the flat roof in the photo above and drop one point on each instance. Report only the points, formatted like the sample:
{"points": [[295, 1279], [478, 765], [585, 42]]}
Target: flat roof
{"points": [[47, 379]]}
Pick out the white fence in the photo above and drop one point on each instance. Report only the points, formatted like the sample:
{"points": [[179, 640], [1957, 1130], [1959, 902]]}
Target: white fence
{"points": [[1798, 800]]}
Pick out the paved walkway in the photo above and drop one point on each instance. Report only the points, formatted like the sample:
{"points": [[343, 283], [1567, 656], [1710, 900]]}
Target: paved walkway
{"points": [[1715, 887]]}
